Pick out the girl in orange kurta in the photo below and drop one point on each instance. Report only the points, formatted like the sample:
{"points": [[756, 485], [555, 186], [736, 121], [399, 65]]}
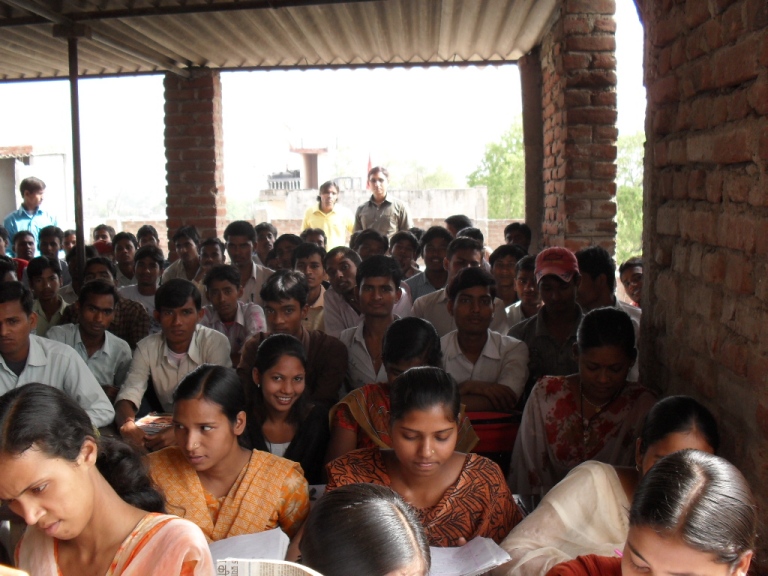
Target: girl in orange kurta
{"points": [[210, 479], [59, 477], [456, 496]]}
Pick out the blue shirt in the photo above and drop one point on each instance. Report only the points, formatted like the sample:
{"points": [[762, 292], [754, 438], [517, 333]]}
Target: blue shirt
{"points": [[20, 219]]}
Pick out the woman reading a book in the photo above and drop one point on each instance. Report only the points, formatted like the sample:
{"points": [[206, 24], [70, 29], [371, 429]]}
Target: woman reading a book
{"points": [[457, 496], [211, 478], [693, 513], [361, 419], [598, 495], [282, 420], [364, 529], [88, 501]]}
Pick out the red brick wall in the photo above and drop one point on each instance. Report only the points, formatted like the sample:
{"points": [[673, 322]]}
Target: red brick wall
{"points": [[706, 217], [579, 109], [194, 151]]}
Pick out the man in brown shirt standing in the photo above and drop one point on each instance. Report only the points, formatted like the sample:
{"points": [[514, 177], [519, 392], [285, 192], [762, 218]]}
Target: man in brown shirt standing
{"points": [[381, 213]]}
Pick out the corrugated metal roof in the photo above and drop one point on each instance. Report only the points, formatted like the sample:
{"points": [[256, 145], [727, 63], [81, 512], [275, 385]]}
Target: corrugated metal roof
{"points": [[143, 36]]}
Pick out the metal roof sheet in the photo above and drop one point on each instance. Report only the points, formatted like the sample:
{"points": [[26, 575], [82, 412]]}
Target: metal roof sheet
{"points": [[146, 36]]}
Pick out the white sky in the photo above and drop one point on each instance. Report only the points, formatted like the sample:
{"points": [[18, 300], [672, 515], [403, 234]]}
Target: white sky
{"points": [[432, 117]]}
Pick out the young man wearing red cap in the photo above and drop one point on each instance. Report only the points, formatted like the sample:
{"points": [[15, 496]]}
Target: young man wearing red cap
{"points": [[551, 334]]}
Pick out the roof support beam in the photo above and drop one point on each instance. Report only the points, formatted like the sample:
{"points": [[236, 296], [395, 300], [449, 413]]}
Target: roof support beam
{"points": [[172, 10], [69, 27]]}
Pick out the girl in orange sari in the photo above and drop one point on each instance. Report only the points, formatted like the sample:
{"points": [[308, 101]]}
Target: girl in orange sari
{"points": [[210, 478], [361, 419], [457, 496], [89, 503]]}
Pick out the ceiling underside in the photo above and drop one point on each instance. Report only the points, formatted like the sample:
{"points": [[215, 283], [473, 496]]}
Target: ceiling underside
{"points": [[124, 37]]}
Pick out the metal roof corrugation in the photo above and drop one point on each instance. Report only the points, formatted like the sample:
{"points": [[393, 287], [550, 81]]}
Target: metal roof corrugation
{"points": [[143, 37]]}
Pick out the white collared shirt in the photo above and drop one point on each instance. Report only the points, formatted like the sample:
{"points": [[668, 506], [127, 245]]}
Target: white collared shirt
{"points": [[259, 275], [58, 365], [150, 360], [503, 360], [109, 364], [360, 371]]}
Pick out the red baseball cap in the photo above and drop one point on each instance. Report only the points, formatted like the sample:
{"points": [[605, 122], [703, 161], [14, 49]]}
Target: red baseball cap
{"points": [[556, 261]]}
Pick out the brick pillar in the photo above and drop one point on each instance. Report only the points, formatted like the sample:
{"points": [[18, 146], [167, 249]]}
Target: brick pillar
{"points": [[579, 108], [194, 150]]}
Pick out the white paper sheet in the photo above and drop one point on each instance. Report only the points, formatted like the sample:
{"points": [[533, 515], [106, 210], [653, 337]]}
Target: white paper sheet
{"points": [[476, 557]]}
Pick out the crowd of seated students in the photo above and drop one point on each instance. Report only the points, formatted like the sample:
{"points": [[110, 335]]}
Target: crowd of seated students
{"points": [[364, 364]]}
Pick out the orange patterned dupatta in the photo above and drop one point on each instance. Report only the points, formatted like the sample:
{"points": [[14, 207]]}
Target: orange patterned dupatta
{"points": [[159, 544], [269, 492], [368, 407]]}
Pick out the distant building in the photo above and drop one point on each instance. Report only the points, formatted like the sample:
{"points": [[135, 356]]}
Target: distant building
{"points": [[289, 180]]}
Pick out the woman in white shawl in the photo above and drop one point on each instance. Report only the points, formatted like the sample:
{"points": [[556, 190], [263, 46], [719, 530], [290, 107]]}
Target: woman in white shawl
{"points": [[587, 512]]}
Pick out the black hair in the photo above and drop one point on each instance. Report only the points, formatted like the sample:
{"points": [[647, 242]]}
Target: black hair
{"points": [[307, 231], [527, 263], [218, 385], [417, 232], [458, 222], [31, 184], [5, 235], [463, 243], [240, 228], [90, 252], [7, 265], [108, 228], [124, 236], [43, 417], [292, 238], [285, 285], [375, 169], [517, 252], [39, 264], [635, 262], [411, 337], [98, 287], [347, 253], [701, 499], [607, 327], [406, 236], [148, 230], [595, 261], [518, 226], [379, 267], [678, 414], [327, 186], [423, 388], [214, 242], [475, 233], [271, 349], [222, 273], [371, 234], [152, 252], [70, 232], [469, 278], [99, 260], [12, 291], [174, 294], [353, 237], [432, 233], [261, 227], [22, 234], [381, 533], [306, 250], [49, 231], [189, 232]]}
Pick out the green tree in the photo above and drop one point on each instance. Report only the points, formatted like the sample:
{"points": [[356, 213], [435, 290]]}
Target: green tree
{"points": [[502, 171], [629, 196]]}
